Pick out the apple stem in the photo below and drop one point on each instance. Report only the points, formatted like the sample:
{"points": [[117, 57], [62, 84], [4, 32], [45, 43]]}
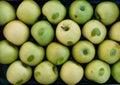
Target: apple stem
{"points": [[65, 28]]}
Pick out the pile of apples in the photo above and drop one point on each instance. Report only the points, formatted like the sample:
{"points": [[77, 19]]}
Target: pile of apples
{"points": [[52, 41]]}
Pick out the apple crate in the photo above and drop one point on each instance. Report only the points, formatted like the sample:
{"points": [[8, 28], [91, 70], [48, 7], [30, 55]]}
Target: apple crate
{"points": [[66, 3]]}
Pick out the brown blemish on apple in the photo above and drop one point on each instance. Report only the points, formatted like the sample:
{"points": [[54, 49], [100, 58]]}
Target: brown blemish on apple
{"points": [[19, 82], [41, 31], [55, 15], [96, 32], [60, 60], [55, 69], [69, 43], [113, 52], [101, 71], [37, 73], [82, 8], [30, 58]]}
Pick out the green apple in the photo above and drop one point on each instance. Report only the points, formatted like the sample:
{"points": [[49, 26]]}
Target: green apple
{"points": [[71, 72], [31, 53], [83, 51], [80, 11], [54, 11], [7, 12], [16, 32], [8, 52], [110, 13], [28, 11], [68, 32], [18, 73], [98, 71], [46, 73], [114, 31], [42, 32], [94, 31], [57, 53], [109, 51], [115, 71]]}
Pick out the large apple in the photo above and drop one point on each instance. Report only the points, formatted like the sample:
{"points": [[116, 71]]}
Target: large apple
{"points": [[8, 52], [80, 11], [83, 51], [109, 51], [94, 31], [42, 32], [114, 32], [16, 32], [98, 71], [57, 53], [18, 73], [110, 13], [7, 12], [28, 11], [54, 10], [71, 72], [68, 32], [115, 71], [46, 73], [31, 53]]}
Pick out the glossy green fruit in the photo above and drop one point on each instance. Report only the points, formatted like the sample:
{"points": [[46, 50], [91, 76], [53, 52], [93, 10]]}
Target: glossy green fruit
{"points": [[7, 12], [42, 32]]}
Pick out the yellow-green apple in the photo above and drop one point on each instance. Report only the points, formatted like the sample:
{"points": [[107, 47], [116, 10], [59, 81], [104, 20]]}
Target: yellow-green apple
{"points": [[28, 11], [109, 51], [80, 11], [115, 71], [110, 13], [54, 11], [31, 53], [83, 51], [8, 52], [98, 71], [94, 31], [18, 73], [46, 73], [68, 32], [7, 12], [114, 31], [71, 72], [16, 32], [57, 53], [42, 32]]}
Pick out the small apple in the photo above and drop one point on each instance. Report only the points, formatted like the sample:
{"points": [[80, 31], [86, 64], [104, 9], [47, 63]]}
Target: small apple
{"points": [[114, 31], [94, 31], [54, 10], [16, 32], [98, 71], [28, 11], [115, 71], [46, 73], [8, 52], [80, 11], [31, 53], [83, 51], [57, 53], [110, 13], [42, 32], [18, 73], [109, 51], [68, 32], [7, 12], [71, 72]]}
